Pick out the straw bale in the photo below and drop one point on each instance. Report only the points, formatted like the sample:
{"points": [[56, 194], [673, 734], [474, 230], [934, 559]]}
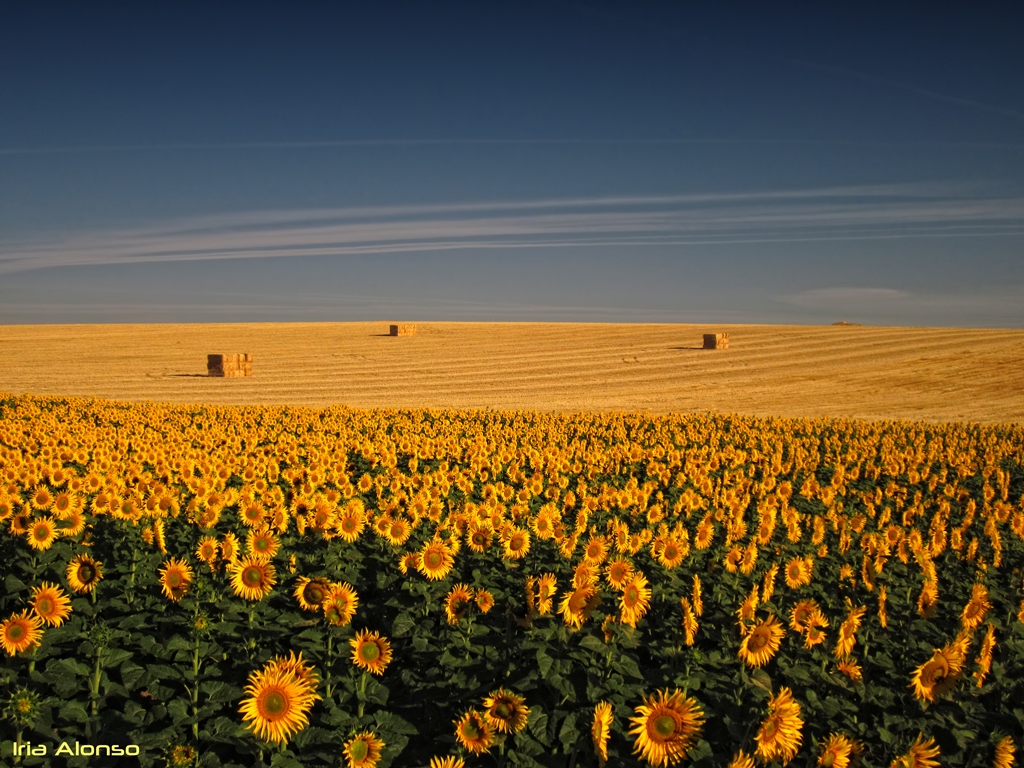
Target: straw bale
{"points": [[403, 330], [229, 366], [716, 341]]}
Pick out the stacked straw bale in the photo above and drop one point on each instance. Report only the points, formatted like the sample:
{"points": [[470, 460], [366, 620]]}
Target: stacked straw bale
{"points": [[403, 330], [716, 341], [229, 366]]}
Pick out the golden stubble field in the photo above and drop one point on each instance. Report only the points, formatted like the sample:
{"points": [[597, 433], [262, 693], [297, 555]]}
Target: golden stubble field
{"points": [[935, 374]]}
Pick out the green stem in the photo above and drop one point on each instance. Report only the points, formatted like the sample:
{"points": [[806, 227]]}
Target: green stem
{"points": [[362, 694], [195, 692], [17, 749], [94, 685], [330, 661]]}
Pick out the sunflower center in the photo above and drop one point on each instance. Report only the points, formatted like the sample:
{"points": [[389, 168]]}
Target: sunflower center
{"points": [[358, 749], [86, 573], [503, 710], [41, 532], [434, 560], [828, 759], [44, 606], [770, 729], [757, 641], [348, 525], [632, 596], [174, 580], [261, 544], [369, 652], [665, 726], [252, 576], [275, 704], [314, 594], [15, 632], [470, 731]]}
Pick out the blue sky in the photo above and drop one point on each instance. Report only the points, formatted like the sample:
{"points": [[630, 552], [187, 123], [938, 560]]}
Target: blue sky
{"points": [[585, 161]]}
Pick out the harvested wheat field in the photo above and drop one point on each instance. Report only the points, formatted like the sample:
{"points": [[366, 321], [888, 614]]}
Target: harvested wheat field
{"points": [[862, 372]]}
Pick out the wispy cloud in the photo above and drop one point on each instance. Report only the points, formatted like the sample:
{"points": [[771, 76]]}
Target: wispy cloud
{"points": [[836, 213], [871, 304], [668, 141]]}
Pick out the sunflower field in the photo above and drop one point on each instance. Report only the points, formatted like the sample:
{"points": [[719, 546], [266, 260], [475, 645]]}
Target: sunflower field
{"points": [[273, 586]]}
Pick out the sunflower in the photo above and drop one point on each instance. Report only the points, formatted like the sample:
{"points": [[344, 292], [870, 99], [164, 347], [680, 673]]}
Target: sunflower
{"points": [[41, 498], [985, 655], [363, 750], [311, 593], [408, 561], [939, 674], [748, 607], [262, 544], [41, 533], [182, 755], [435, 560], [837, 751], [779, 737], [1005, 750], [252, 513], [601, 730], [851, 669], [504, 711], [518, 544], [447, 762], [277, 704], [73, 525], [207, 550], [23, 707], [83, 573], [577, 605], [304, 673], [479, 538], [484, 600], [547, 584], [976, 608], [20, 632], [635, 599], [370, 651], [920, 755], [398, 532], [351, 523], [799, 571], [229, 548], [762, 642], [848, 632], [473, 732], [457, 603], [50, 604], [800, 616], [768, 586], [584, 574], [733, 559], [619, 572], [252, 578], [672, 554], [705, 534], [689, 621], [158, 535], [666, 726], [175, 578], [928, 599], [741, 760], [596, 550]]}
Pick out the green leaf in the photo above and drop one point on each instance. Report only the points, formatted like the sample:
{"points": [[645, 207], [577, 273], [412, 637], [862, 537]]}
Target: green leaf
{"points": [[591, 643], [568, 734], [74, 711], [402, 625]]}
